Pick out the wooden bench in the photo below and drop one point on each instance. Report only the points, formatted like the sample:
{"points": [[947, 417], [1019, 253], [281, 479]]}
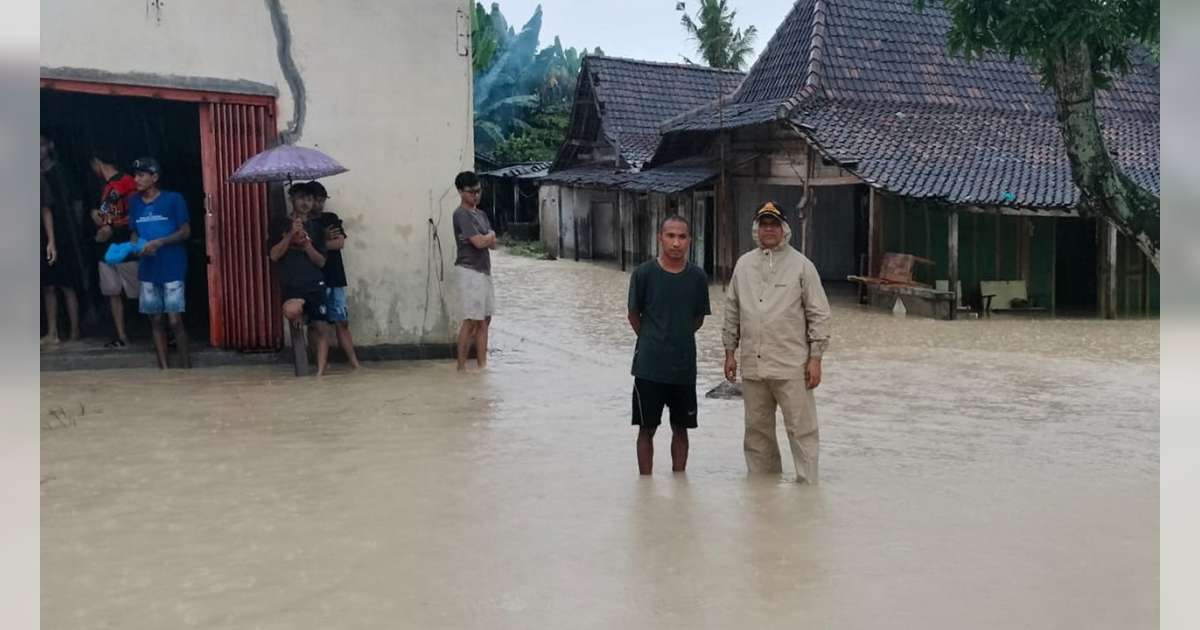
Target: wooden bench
{"points": [[895, 281], [999, 295]]}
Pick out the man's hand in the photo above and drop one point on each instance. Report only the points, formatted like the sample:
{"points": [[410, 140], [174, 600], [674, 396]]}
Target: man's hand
{"points": [[812, 372], [97, 218], [104, 234], [333, 232], [51, 254], [150, 247], [730, 367]]}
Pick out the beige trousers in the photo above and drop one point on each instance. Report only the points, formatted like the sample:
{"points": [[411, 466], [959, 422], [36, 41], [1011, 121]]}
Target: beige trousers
{"points": [[761, 398]]}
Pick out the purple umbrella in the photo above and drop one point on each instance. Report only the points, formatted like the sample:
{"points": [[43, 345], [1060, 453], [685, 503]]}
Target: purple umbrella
{"points": [[286, 162]]}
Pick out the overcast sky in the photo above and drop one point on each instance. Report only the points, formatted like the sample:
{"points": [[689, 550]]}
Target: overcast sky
{"points": [[640, 29]]}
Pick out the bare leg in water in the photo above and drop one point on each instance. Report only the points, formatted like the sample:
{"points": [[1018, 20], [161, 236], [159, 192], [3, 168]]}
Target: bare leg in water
{"points": [[481, 341], [159, 333], [645, 449], [117, 304], [679, 448], [50, 299], [72, 300], [181, 340], [317, 331], [347, 343], [466, 334]]}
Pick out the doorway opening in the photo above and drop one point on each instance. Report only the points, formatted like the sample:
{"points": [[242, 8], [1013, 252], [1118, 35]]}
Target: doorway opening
{"points": [[128, 128]]}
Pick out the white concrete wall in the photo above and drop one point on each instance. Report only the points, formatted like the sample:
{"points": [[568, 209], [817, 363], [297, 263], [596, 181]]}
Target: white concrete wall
{"points": [[388, 95]]}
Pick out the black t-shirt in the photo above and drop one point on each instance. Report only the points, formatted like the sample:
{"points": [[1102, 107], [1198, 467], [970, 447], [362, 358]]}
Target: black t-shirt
{"points": [[669, 305], [335, 271], [296, 271]]}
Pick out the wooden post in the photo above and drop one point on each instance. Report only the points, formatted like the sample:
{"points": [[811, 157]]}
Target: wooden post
{"points": [[874, 231], [1110, 270], [621, 227], [1054, 266], [559, 253], [516, 198], [953, 263], [575, 221]]}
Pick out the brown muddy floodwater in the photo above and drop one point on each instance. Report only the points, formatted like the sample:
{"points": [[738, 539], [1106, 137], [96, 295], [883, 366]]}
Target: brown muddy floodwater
{"points": [[975, 474]]}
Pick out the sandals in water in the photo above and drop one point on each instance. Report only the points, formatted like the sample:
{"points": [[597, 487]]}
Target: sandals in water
{"points": [[115, 344]]}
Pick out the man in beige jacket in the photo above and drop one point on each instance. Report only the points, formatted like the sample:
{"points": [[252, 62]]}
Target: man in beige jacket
{"points": [[777, 324]]}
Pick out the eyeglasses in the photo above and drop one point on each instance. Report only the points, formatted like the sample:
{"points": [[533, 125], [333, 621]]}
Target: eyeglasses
{"points": [[473, 191]]}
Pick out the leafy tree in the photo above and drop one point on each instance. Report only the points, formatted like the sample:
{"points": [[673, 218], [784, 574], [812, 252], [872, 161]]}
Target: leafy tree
{"points": [[547, 129], [522, 94], [1077, 46], [719, 43], [486, 41]]}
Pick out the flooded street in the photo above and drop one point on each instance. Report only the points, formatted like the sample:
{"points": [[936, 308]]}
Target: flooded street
{"points": [[996, 473]]}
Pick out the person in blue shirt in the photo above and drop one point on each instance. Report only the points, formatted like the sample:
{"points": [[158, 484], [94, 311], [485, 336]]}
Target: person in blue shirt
{"points": [[159, 222]]}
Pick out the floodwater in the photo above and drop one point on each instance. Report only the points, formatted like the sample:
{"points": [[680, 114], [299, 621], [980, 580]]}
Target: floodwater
{"points": [[975, 474]]}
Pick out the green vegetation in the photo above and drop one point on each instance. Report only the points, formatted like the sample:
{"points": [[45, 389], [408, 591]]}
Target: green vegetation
{"points": [[720, 44], [522, 94], [528, 249]]}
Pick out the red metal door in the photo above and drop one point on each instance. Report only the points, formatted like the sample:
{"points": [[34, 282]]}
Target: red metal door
{"points": [[243, 301]]}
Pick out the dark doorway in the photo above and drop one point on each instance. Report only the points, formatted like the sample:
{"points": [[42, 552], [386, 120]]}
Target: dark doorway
{"points": [[131, 127], [1075, 263]]}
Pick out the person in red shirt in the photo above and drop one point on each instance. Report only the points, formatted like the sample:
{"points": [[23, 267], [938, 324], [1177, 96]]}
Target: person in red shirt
{"points": [[112, 226]]}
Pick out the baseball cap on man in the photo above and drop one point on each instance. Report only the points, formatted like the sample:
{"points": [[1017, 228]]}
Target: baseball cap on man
{"points": [[769, 209], [146, 165], [317, 189]]}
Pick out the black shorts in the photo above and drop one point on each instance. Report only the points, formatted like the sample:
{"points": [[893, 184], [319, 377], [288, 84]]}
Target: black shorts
{"points": [[650, 397], [64, 272], [314, 302]]}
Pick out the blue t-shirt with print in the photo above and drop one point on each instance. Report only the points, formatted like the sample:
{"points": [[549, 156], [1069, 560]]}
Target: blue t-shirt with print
{"points": [[158, 219]]}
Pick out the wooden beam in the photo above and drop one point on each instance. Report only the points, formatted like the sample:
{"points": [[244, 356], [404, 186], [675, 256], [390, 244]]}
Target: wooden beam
{"points": [[1054, 267], [874, 231], [1018, 212], [775, 180], [150, 91], [621, 228], [516, 184], [953, 262], [848, 180], [1110, 270]]}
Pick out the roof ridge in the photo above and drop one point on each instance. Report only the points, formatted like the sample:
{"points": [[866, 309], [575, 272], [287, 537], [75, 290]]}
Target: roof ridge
{"points": [[814, 66], [668, 64]]}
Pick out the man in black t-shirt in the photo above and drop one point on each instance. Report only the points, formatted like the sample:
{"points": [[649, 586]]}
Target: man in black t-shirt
{"points": [[335, 271], [297, 244], [668, 300]]}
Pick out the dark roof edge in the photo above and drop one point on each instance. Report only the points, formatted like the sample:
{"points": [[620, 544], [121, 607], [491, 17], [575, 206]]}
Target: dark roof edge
{"points": [[667, 64], [147, 79]]}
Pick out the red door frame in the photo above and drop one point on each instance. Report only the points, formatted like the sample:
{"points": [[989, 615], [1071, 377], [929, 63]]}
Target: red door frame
{"points": [[212, 180]]}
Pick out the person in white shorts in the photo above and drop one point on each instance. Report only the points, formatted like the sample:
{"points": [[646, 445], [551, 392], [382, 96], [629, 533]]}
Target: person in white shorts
{"points": [[118, 282], [473, 270]]}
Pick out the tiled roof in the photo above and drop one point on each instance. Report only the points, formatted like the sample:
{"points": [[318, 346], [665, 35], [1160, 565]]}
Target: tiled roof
{"points": [[525, 170], [872, 82], [668, 178], [969, 156], [635, 97]]}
